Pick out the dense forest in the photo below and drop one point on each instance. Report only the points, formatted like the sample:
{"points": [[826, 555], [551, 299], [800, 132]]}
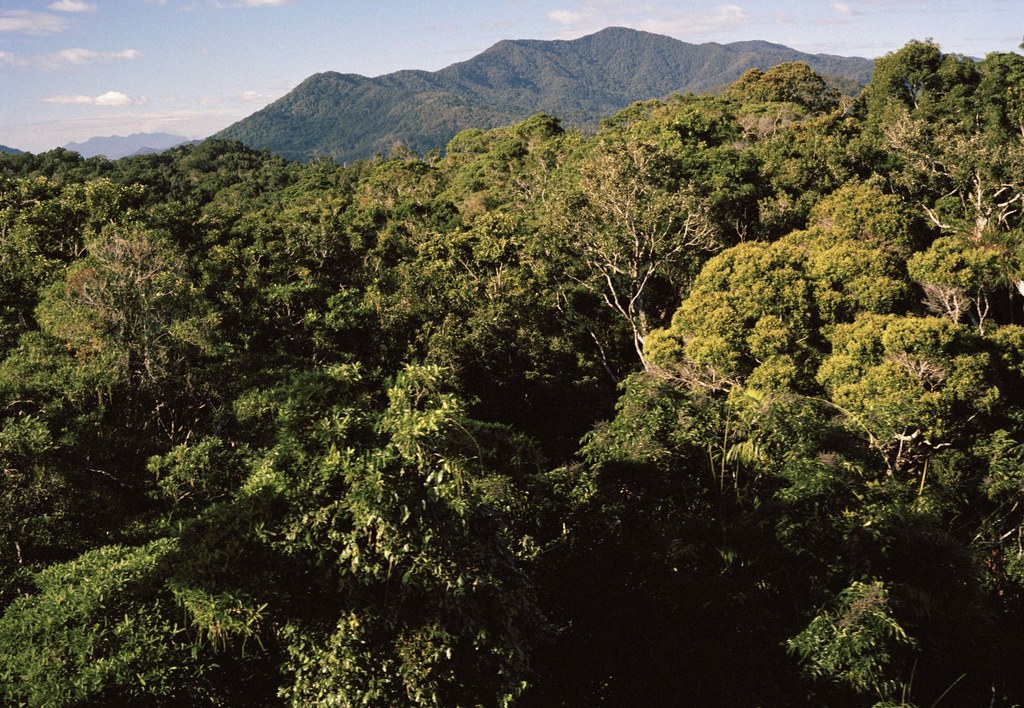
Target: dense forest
{"points": [[719, 405]]}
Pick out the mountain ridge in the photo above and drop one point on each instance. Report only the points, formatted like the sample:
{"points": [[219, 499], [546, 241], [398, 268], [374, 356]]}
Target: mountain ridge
{"points": [[114, 147], [348, 117]]}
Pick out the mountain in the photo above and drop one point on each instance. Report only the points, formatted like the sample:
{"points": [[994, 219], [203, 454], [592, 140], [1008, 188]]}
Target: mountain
{"points": [[116, 146], [348, 117], [9, 150], [157, 151]]}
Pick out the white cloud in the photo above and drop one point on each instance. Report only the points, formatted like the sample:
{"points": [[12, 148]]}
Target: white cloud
{"points": [[79, 56], [82, 56], [662, 18], [566, 18], [110, 98], [219, 4], [72, 6], [842, 9], [75, 56], [700, 22], [114, 98], [31, 22], [70, 100], [11, 59]]}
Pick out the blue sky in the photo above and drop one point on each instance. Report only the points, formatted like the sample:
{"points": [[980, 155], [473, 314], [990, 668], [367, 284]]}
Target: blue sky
{"points": [[74, 69]]}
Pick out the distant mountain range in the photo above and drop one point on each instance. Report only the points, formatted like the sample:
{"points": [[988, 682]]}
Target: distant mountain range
{"points": [[116, 146], [348, 117], [9, 150]]}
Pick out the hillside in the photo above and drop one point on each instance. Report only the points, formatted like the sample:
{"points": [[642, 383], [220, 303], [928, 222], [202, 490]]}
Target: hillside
{"points": [[9, 150], [348, 117]]}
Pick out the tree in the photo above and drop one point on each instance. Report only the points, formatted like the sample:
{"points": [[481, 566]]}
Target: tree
{"points": [[938, 113], [129, 301], [863, 212], [433, 607], [855, 642], [912, 385], [958, 276], [98, 630], [789, 82], [804, 163], [505, 168], [757, 313], [395, 513], [630, 224], [907, 76], [42, 227], [748, 317]]}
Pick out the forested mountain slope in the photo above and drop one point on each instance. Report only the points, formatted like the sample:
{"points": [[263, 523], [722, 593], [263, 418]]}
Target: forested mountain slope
{"points": [[347, 117], [717, 406]]}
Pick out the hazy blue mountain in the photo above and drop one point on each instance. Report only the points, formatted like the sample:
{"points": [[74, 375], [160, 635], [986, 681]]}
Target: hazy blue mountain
{"points": [[116, 146], [347, 116], [10, 151]]}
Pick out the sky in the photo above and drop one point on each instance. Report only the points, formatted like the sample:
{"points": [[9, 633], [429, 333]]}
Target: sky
{"points": [[75, 69]]}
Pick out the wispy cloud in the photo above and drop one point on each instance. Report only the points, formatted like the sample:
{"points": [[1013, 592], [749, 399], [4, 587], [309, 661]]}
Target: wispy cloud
{"points": [[81, 56], [72, 6], [11, 59], [28, 22], [110, 98], [63, 59], [77, 56], [566, 18], [590, 13], [696, 23], [255, 97], [661, 18], [249, 3]]}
